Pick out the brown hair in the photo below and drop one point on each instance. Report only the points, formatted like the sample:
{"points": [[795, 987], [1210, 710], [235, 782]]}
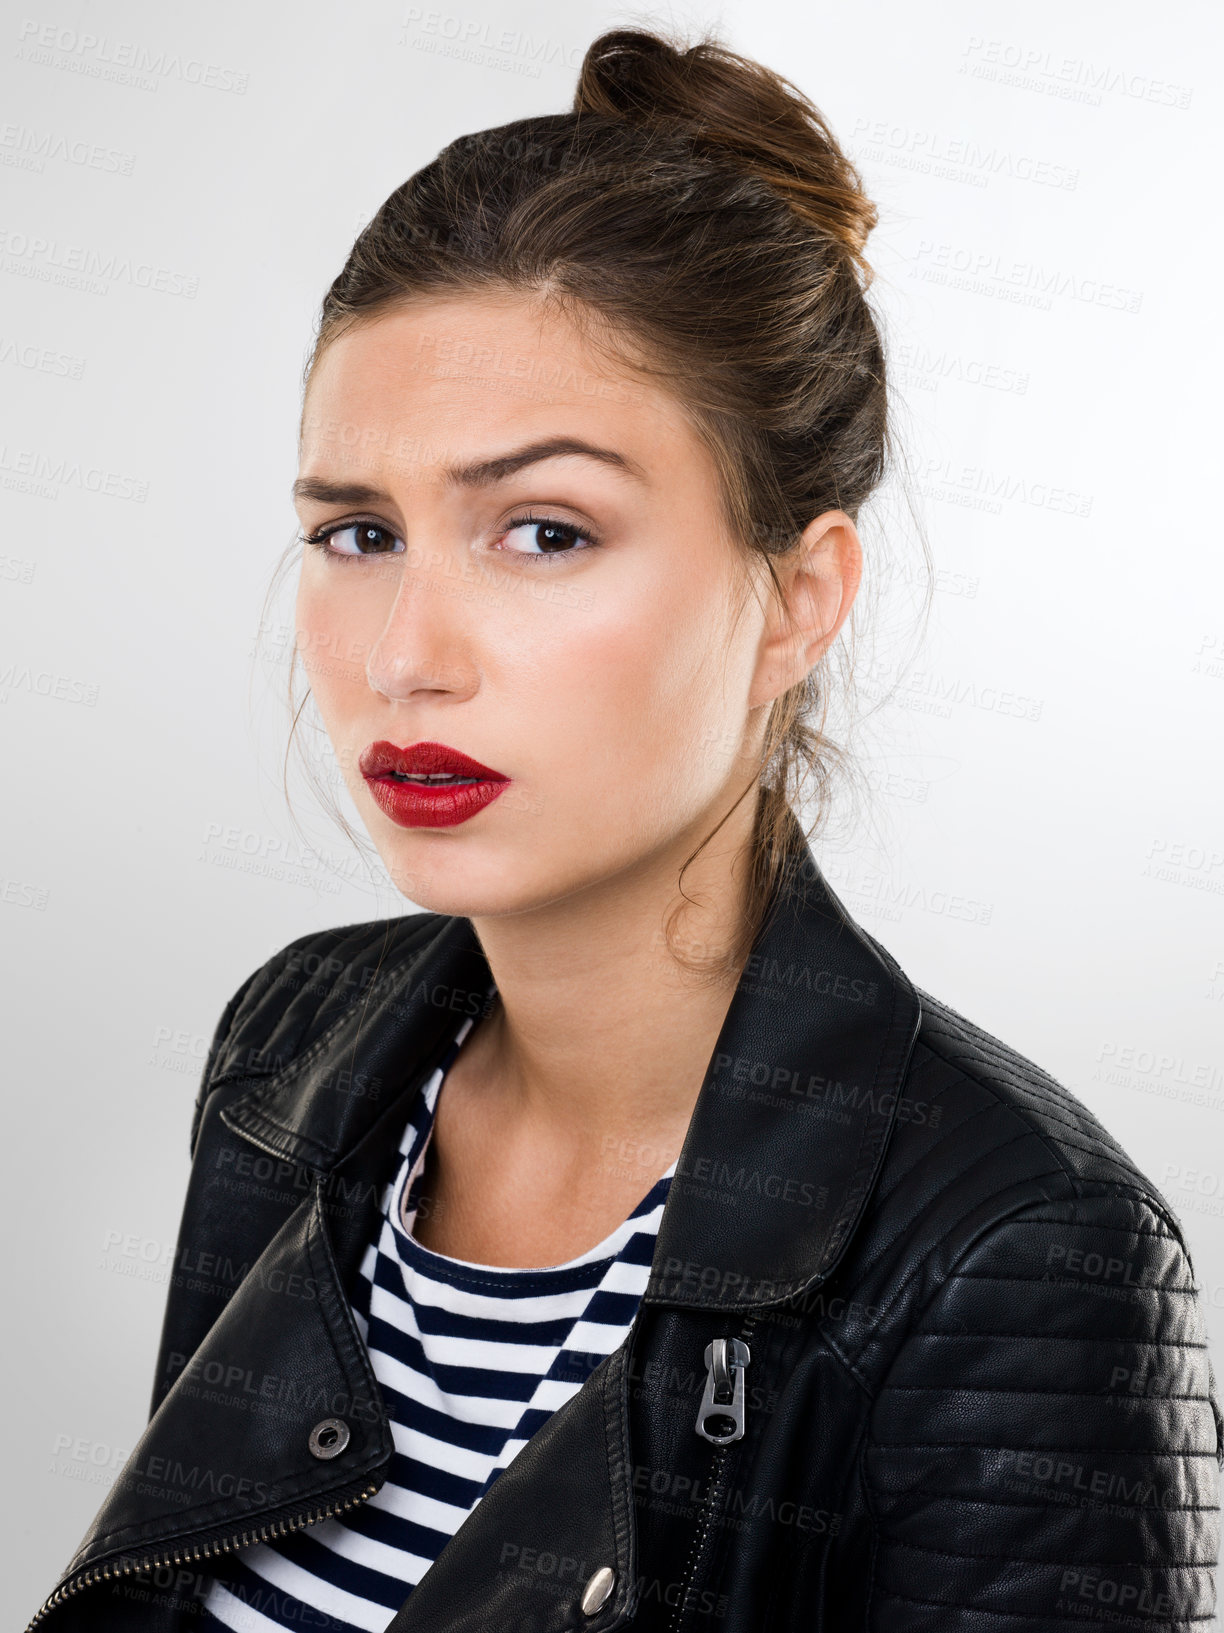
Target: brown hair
{"points": [[693, 208]]}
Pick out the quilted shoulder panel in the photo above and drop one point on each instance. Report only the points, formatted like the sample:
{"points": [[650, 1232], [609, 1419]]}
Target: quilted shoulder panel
{"points": [[1045, 1444], [1083, 1145], [981, 1132], [294, 996]]}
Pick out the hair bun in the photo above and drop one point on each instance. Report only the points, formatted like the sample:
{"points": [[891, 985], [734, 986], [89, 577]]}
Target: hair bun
{"points": [[732, 105]]}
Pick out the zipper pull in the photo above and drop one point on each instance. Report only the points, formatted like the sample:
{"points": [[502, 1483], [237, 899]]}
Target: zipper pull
{"points": [[721, 1418]]}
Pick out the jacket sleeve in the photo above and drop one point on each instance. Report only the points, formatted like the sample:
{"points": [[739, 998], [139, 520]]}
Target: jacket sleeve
{"points": [[1044, 1451]]}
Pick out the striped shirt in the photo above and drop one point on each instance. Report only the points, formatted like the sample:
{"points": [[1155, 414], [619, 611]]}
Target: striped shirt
{"points": [[470, 1359]]}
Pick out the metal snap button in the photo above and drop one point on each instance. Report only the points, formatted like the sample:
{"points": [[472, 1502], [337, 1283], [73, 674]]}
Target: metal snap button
{"points": [[329, 1438], [595, 1594]]}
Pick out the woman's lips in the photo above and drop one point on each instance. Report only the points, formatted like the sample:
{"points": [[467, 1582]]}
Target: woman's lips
{"points": [[428, 785]]}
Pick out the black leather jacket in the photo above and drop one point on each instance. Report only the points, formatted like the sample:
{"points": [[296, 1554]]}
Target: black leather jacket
{"points": [[977, 1397]]}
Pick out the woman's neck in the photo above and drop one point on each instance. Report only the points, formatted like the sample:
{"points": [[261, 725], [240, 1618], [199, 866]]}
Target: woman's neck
{"points": [[599, 1035]]}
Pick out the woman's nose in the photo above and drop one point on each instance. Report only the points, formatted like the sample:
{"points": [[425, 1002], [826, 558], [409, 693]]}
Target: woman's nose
{"points": [[421, 646]]}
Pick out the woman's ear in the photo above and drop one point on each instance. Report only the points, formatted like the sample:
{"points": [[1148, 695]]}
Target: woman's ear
{"points": [[819, 578]]}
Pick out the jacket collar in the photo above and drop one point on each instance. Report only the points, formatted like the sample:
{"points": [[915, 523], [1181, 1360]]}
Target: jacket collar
{"points": [[789, 1128]]}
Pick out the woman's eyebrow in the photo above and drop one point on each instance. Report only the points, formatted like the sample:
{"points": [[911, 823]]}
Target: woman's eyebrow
{"points": [[480, 473], [486, 471]]}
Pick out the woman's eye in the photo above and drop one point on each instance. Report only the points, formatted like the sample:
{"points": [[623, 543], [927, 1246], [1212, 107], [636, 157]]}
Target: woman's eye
{"points": [[539, 537], [359, 539]]}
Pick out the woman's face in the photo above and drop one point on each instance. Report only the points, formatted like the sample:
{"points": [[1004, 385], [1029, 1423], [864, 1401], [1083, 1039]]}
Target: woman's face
{"points": [[576, 623]]}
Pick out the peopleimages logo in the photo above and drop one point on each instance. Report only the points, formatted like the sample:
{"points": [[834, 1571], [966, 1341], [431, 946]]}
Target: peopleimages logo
{"points": [[30, 255], [955, 158], [1076, 79], [57, 471], [98, 56], [1024, 283]]}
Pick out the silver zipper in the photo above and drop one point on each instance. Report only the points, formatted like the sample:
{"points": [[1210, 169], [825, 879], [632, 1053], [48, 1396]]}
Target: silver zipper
{"points": [[720, 1417], [191, 1553], [720, 1420]]}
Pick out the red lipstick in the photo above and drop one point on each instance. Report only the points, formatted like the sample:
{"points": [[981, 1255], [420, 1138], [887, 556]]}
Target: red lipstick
{"points": [[429, 785]]}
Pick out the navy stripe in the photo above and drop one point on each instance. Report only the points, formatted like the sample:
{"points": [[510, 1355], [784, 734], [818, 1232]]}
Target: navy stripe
{"points": [[398, 1532], [303, 1550], [504, 1283], [281, 1608], [485, 1440]]}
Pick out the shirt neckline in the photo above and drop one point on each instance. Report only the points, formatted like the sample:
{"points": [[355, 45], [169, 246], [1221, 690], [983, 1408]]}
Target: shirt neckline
{"points": [[535, 1278]]}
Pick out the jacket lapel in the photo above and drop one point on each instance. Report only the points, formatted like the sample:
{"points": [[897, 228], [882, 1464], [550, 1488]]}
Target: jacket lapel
{"points": [[793, 1118], [227, 1457]]}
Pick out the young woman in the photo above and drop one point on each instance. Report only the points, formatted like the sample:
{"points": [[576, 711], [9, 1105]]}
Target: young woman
{"points": [[623, 1239]]}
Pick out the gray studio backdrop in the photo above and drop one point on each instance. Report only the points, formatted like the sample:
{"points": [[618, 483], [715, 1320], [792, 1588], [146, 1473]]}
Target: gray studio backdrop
{"points": [[1043, 845]]}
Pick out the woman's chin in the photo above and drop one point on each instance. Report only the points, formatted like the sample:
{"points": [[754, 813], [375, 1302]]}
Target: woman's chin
{"points": [[464, 887]]}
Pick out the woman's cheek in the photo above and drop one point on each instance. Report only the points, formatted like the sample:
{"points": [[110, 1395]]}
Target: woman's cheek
{"points": [[334, 640]]}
